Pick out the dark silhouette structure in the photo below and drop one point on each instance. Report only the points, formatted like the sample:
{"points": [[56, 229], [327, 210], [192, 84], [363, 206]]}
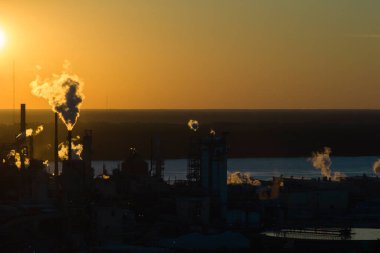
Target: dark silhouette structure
{"points": [[134, 208]]}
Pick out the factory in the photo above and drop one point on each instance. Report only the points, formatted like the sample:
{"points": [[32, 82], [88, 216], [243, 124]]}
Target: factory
{"points": [[74, 209]]}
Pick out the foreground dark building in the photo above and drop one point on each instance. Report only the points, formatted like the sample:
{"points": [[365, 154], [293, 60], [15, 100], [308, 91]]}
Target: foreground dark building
{"points": [[132, 209]]}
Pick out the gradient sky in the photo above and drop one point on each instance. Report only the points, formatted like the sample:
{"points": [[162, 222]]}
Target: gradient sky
{"points": [[197, 53]]}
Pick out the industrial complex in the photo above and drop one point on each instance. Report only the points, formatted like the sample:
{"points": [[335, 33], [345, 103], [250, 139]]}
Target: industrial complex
{"points": [[133, 209]]}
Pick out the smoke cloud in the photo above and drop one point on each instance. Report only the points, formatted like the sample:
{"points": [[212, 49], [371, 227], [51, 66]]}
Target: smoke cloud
{"points": [[193, 125], [76, 149], [376, 167], [322, 161], [30, 132], [39, 130], [235, 178], [14, 157], [64, 94]]}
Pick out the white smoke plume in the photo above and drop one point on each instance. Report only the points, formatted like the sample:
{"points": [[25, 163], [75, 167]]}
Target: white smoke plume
{"points": [[376, 167], [338, 176], [30, 132], [193, 125], [237, 177], [15, 157], [76, 149], [39, 130], [322, 161], [64, 94]]}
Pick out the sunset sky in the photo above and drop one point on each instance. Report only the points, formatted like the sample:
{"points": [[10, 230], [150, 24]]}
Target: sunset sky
{"points": [[197, 53]]}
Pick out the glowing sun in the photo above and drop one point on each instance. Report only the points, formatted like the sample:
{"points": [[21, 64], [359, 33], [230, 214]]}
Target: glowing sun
{"points": [[2, 38]]}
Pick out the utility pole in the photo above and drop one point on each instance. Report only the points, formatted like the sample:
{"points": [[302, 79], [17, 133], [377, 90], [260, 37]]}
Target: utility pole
{"points": [[14, 91]]}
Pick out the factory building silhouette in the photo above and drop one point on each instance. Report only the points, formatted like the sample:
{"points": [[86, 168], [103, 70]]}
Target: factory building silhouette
{"points": [[134, 208]]}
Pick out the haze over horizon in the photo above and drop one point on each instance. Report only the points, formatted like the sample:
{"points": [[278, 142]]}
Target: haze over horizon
{"points": [[299, 54]]}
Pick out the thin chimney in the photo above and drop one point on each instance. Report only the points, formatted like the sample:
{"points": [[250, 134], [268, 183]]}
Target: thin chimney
{"points": [[23, 134], [23, 119], [31, 148], [69, 139], [56, 144]]}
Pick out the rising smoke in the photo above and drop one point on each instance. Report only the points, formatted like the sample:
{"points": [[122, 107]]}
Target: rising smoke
{"points": [[376, 167], [322, 161], [76, 149], [63, 93], [30, 132], [193, 125], [236, 178], [14, 157], [39, 130]]}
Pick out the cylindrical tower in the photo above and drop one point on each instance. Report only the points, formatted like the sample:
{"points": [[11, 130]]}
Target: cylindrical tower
{"points": [[56, 144], [69, 140]]}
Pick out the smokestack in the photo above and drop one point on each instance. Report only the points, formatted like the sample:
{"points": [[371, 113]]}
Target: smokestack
{"points": [[56, 144], [23, 119], [87, 147], [87, 156], [23, 134], [31, 149], [69, 140]]}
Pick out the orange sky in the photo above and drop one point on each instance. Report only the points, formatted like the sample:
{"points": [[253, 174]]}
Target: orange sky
{"points": [[197, 53]]}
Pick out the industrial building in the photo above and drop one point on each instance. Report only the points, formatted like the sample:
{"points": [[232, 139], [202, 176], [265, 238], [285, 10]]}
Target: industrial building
{"points": [[134, 206]]}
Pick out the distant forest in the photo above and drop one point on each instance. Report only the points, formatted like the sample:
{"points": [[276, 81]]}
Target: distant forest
{"points": [[252, 133]]}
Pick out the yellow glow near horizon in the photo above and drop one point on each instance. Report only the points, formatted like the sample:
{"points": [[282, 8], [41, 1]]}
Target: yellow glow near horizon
{"points": [[170, 54], [2, 38]]}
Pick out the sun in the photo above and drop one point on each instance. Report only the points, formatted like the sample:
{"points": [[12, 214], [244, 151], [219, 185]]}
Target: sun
{"points": [[2, 38]]}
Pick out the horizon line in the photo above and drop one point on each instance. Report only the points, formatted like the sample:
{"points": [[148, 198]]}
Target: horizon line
{"points": [[204, 109]]}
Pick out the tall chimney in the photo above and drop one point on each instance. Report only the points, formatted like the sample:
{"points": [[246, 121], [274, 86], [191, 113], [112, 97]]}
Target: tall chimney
{"points": [[56, 144], [87, 147], [31, 148], [23, 134], [87, 157], [69, 140], [23, 119]]}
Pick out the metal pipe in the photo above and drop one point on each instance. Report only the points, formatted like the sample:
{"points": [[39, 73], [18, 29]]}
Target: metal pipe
{"points": [[23, 134], [56, 144], [69, 140], [23, 119], [31, 144]]}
